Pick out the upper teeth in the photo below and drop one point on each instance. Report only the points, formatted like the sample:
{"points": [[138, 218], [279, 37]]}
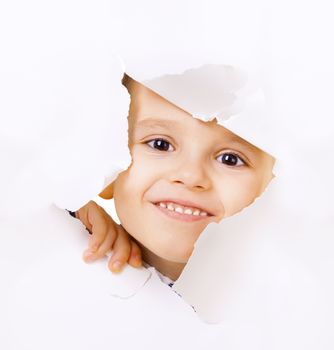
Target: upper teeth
{"points": [[182, 210]]}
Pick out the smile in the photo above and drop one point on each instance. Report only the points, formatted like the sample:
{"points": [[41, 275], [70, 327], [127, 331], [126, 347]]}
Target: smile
{"points": [[180, 212]]}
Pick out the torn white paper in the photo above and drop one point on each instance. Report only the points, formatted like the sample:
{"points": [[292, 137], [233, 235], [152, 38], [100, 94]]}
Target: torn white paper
{"points": [[266, 273]]}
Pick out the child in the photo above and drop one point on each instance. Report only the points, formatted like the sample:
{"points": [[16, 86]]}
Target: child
{"points": [[185, 173]]}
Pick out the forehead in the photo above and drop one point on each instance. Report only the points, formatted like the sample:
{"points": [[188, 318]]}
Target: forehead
{"points": [[182, 123], [150, 112]]}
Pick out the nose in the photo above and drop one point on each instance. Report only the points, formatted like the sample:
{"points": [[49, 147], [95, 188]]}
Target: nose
{"points": [[191, 173]]}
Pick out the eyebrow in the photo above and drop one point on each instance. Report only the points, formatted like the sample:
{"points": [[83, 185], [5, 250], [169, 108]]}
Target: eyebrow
{"points": [[152, 123]]}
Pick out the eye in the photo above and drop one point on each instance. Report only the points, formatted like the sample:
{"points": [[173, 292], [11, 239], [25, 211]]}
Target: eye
{"points": [[231, 159], [160, 145]]}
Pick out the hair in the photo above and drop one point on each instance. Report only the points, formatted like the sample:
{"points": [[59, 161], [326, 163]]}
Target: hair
{"points": [[126, 80]]}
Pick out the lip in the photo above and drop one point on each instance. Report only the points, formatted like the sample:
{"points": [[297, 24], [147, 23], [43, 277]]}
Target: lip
{"points": [[180, 216], [185, 204]]}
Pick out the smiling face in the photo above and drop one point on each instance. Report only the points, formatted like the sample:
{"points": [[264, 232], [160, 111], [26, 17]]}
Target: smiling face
{"points": [[185, 173]]}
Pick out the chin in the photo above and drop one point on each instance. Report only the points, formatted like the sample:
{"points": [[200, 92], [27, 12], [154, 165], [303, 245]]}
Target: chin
{"points": [[175, 257]]}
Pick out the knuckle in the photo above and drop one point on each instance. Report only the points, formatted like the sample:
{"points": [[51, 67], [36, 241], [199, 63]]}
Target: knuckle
{"points": [[135, 246], [91, 204], [122, 251]]}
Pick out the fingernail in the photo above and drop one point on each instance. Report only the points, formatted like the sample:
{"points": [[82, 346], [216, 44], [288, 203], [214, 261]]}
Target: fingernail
{"points": [[117, 266], [137, 259], [137, 264], [93, 247], [89, 256]]}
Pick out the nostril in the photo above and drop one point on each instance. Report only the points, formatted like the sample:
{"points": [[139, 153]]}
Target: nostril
{"points": [[199, 187]]}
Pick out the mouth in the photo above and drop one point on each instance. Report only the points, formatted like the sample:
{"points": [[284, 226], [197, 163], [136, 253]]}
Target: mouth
{"points": [[182, 211]]}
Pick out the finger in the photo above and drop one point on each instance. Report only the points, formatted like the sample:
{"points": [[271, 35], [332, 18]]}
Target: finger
{"points": [[135, 258], [108, 242], [82, 215], [105, 246], [99, 228], [121, 251]]}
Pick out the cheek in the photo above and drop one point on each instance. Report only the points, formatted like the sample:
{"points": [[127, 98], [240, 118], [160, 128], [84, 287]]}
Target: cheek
{"points": [[125, 208], [238, 192], [129, 191], [133, 181]]}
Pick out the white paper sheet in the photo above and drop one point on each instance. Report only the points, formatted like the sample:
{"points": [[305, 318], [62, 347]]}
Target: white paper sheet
{"points": [[266, 273]]}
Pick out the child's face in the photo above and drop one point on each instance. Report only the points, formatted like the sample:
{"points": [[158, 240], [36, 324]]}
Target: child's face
{"points": [[182, 162]]}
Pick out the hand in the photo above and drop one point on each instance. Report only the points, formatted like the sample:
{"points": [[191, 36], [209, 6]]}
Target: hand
{"points": [[106, 234]]}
